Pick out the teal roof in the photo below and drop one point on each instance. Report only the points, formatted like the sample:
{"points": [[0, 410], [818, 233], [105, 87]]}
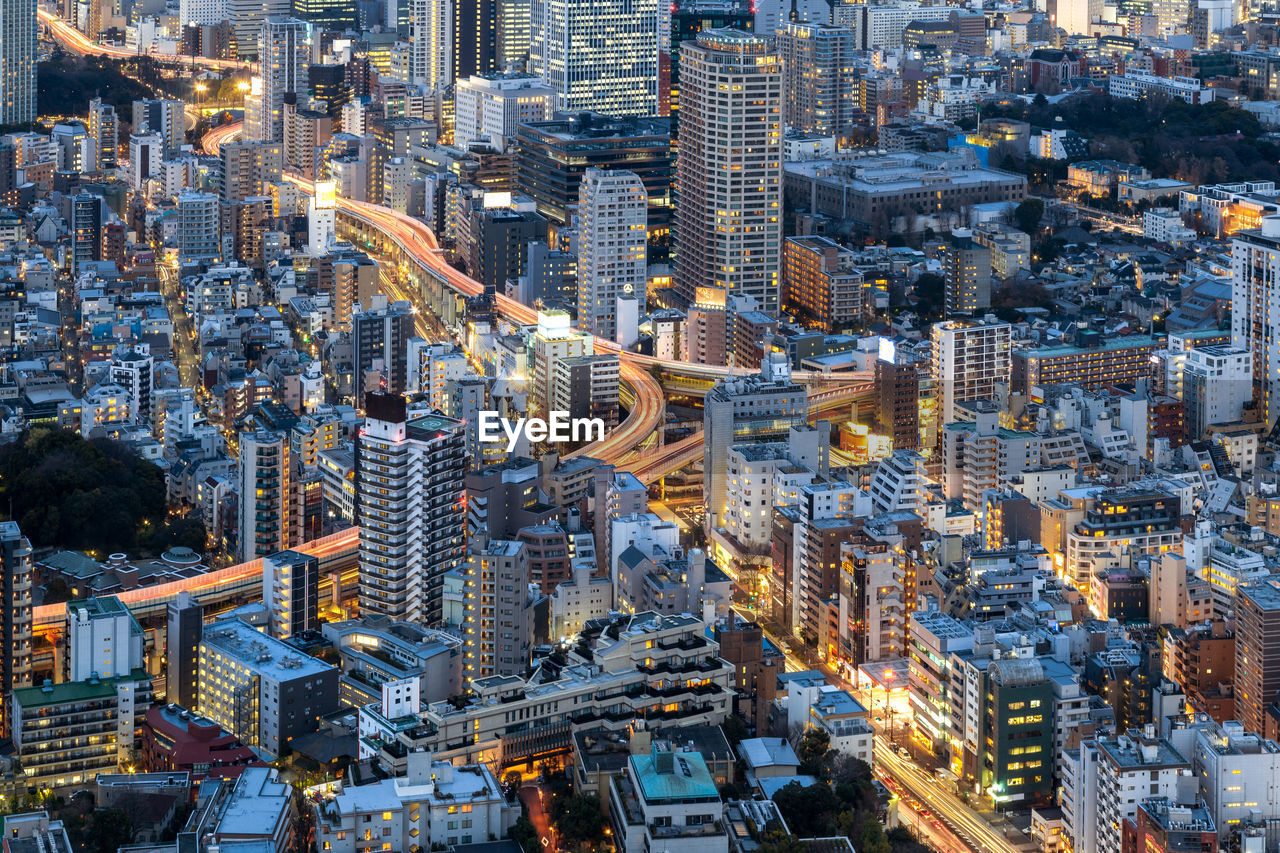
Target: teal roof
{"points": [[73, 691], [687, 779]]}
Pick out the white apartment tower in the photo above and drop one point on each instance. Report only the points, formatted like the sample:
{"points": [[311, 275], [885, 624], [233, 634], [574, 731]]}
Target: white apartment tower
{"points": [[104, 131], [494, 105], [17, 62], [199, 227], [282, 54], [266, 493], [431, 43], [409, 505], [969, 359], [1255, 307], [598, 55], [728, 224], [612, 243]]}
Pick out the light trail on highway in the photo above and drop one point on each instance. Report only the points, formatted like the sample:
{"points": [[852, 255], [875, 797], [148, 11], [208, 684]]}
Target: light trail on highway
{"points": [[645, 417], [958, 817], [77, 42]]}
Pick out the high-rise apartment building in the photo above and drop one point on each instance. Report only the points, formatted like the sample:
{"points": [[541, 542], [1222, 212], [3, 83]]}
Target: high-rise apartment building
{"points": [[165, 118], [18, 62], [199, 227], [133, 369], [350, 278], [821, 286], [897, 377], [612, 215], [104, 130], [431, 43], [379, 349], [146, 154], [1255, 308], [291, 592], [598, 55], [1217, 383], [86, 230], [282, 55], [266, 493], [820, 78], [729, 219], [15, 615], [967, 265], [409, 478], [1257, 678], [969, 358], [249, 169], [498, 625]]}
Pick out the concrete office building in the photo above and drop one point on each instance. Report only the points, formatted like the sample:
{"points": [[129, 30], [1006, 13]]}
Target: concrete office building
{"points": [[493, 106], [597, 55], [260, 689], [184, 627], [105, 640], [746, 409]]}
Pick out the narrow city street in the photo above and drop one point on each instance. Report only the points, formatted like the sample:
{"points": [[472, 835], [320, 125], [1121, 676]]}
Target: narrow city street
{"points": [[531, 796]]}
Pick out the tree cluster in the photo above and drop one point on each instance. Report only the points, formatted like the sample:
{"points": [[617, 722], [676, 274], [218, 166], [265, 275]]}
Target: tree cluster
{"points": [[1199, 143], [65, 83], [842, 803], [67, 491]]}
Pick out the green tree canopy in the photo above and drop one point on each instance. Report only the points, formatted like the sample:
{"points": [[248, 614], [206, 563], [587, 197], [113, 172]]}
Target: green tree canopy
{"points": [[1027, 215], [95, 494], [579, 819]]}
